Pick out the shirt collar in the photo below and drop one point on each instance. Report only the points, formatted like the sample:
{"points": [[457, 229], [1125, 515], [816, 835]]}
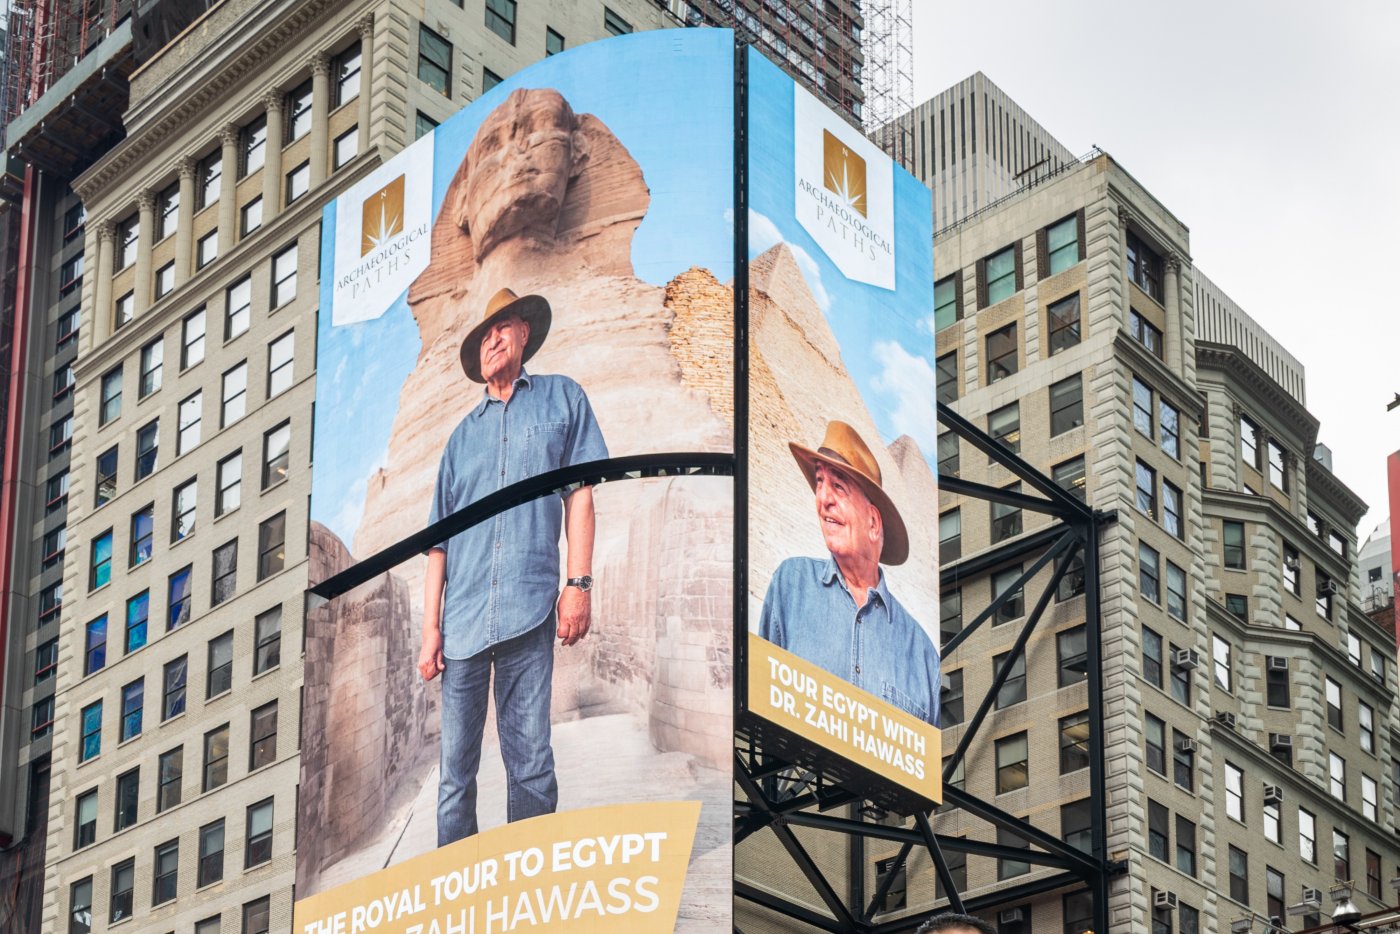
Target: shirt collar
{"points": [[832, 574], [521, 382]]}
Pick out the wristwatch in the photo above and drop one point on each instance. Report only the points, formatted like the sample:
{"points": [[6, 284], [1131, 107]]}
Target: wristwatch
{"points": [[584, 583]]}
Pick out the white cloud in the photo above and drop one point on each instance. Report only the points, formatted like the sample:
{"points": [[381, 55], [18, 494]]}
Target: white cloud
{"points": [[911, 383], [764, 234]]}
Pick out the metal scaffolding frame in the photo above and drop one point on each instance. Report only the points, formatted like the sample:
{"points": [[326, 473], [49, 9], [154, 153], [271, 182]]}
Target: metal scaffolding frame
{"points": [[777, 795]]}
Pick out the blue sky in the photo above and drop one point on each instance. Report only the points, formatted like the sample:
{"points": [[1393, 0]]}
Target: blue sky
{"points": [[680, 134]]}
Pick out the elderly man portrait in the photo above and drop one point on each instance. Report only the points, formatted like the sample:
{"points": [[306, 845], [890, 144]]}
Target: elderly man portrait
{"points": [[492, 604], [837, 612]]}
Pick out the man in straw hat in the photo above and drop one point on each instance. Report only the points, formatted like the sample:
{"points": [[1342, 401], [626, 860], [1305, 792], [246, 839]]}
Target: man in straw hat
{"points": [[837, 612], [490, 592]]}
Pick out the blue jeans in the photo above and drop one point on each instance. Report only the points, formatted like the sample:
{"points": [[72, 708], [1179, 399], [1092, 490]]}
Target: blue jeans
{"points": [[524, 670]]}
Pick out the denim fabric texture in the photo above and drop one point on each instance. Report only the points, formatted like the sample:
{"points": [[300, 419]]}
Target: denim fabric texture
{"points": [[523, 668], [503, 574], [878, 647]]}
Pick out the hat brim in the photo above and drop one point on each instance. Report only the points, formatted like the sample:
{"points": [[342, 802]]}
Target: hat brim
{"points": [[896, 547], [532, 309]]}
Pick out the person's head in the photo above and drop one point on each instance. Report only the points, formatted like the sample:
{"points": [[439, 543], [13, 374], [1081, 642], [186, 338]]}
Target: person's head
{"points": [[953, 923], [521, 161], [851, 524], [512, 328], [503, 347]]}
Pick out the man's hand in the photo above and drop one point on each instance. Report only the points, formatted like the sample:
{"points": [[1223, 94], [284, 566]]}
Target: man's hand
{"points": [[575, 614], [430, 663]]}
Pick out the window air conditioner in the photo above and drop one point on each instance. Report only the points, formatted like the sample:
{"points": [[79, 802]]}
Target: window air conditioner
{"points": [[1163, 899], [1280, 741], [1185, 659], [1186, 744], [1011, 916], [1273, 794], [1225, 718], [1278, 663]]}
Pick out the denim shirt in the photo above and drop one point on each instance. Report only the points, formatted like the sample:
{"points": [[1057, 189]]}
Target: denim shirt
{"points": [[809, 611], [503, 574]]}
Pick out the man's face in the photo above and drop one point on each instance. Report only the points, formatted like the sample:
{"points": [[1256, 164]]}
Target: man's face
{"points": [[850, 523], [521, 163], [503, 348]]}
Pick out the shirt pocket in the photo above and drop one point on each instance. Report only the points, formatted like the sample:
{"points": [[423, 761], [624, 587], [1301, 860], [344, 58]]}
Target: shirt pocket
{"points": [[894, 695], [544, 447]]}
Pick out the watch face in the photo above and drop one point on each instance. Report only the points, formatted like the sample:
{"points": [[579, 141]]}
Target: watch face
{"points": [[584, 583]]}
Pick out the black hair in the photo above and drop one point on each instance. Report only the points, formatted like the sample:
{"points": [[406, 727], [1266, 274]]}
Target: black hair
{"points": [[949, 921]]}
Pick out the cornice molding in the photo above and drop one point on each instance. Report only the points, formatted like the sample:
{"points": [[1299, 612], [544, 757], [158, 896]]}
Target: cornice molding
{"points": [[1247, 373]]}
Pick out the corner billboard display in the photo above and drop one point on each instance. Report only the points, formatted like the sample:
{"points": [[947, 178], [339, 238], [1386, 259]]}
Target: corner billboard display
{"points": [[842, 444], [529, 727]]}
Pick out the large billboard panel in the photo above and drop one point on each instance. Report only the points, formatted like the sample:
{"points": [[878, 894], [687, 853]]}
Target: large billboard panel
{"points": [[843, 488], [531, 724]]}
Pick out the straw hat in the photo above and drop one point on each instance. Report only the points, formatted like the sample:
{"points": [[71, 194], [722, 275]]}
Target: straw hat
{"points": [[532, 309], [843, 449]]}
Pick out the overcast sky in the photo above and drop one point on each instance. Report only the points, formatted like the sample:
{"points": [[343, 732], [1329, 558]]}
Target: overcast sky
{"points": [[1272, 130]]}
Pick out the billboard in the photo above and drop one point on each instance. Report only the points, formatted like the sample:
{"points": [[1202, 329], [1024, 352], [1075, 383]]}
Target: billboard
{"points": [[842, 443], [531, 724]]}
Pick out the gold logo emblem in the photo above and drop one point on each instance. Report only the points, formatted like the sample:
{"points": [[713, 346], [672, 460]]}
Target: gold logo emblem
{"points": [[843, 172], [381, 217]]}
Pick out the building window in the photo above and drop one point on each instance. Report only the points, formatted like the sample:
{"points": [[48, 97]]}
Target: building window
{"points": [[228, 492], [1183, 760], [124, 311], [238, 303], [56, 490], [1062, 243], [1333, 692], [1072, 652], [207, 250], [111, 407], [63, 380], [298, 109], [250, 216], [553, 42], [1277, 475], [1324, 588], [215, 758], [347, 74], [70, 277], [1151, 656], [213, 925], [192, 339], [183, 514], [1186, 849], [151, 357], [85, 820], [50, 602], [1169, 419], [1354, 649], [45, 661], [95, 646], [165, 280], [950, 536], [173, 696], [1176, 592], [1009, 867], [41, 718], [272, 551], [284, 277], [279, 366], [262, 748], [500, 18], [133, 705], [178, 612], [1066, 404], [346, 147], [1337, 776], [138, 615], [253, 146], [1013, 769], [949, 613], [999, 277], [1142, 407], [1015, 606], [948, 455], [211, 853], [167, 872], [1006, 519], [1249, 442], [211, 170], [1074, 743], [1234, 792], [276, 457], [1004, 425], [190, 415], [1013, 689], [1220, 657], [267, 630], [298, 182], [1239, 875], [128, 234], [423, 125], [170, 771], [143, 530], [947, 367], [1237, 605], [1155, 739], [90, 744], [1171, 510], [946, 308], [128, 796], [1307, 836], [67, 330], [1064, 324], [950, 710], [489, 79], [1233, 538], [60, 435], [100, 568], [615, 25], [1369, 801], [74, 222], [1070, 476], [1149, 571], [434, 61], [1273, 822], [1146, 490], [259, 846], [257, 915], [220, 665], [1144, 267], [1277, 682], [123, 883], [1341, 856], [1158, 830], [1001, 353], [80, 907], [235, 395], [225, 572]]}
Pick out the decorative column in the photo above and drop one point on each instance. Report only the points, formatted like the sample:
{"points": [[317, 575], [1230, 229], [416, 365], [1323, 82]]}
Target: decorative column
{"points": [[184, 229], [228, 187], [102, 314], [320, 115], [272, 156], [1172, 293], [366, 28], [146, 202]]}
